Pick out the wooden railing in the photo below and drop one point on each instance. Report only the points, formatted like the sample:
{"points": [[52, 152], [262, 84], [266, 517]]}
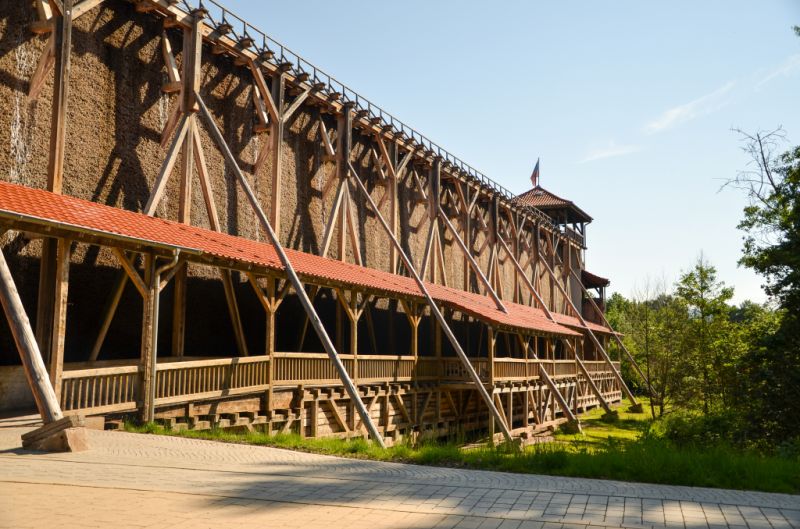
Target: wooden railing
{"points": [[114, 387], [380, 368], [511, 369], [181, 381], [103, 390], [452, 370], [316, 368]]}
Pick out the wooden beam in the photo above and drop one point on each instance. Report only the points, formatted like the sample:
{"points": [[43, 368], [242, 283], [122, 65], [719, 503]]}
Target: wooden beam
{"points": [[108, 314], [46, 62], [32, 363], [471, 260], [233, 312], [434, 309], [60, 315], [173, 74], [258, 77], [614, 334], [276, 139], [133, 275], [292, 275], [593, 338], [337, 416], [287, 114], [192, 60], [149, 343], [58, 123], [84, 7], [166, 168], [55, 171]]}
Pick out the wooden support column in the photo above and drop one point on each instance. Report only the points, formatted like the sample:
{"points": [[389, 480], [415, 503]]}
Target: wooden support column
{"points": [[271, 353], [32, 363], [192, 61], [60, 315], [149, 345], [55, 174], [491, 341], [270, 300], [276, 139]]}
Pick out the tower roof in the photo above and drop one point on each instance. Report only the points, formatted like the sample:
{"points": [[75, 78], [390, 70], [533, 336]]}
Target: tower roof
{"points": [[552, 204]]}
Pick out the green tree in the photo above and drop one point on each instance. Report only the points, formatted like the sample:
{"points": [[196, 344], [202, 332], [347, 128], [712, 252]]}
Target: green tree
{"points": [[706, 298], [771, 369]]}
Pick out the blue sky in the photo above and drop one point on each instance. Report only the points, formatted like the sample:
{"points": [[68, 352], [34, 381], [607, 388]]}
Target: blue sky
{"points": [[628, 104]]}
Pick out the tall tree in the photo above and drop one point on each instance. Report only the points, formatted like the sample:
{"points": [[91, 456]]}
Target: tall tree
{"points": [[707, 299], [772, 248]]}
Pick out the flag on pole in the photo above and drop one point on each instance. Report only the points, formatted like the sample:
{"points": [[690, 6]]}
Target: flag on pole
{"points": [[535, 174]]}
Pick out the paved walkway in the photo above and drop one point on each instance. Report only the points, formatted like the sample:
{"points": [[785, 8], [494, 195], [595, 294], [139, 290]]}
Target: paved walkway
{"points": [[134, 480]]}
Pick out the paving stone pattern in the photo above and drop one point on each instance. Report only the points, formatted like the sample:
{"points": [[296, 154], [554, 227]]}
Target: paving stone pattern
{"points": [[135, 480]]}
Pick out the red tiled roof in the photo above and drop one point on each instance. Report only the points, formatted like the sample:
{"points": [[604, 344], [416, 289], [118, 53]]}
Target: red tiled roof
{"points": [[541, 198], [45, 208]]}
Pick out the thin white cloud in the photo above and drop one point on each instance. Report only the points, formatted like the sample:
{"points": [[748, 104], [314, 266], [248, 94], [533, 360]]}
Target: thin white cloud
{"points": [[790, 65], [609, 150], [693, 109]]}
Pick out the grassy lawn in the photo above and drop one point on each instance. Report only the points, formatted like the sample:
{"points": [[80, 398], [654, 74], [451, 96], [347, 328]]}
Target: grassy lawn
{"points": [[622, 450]]}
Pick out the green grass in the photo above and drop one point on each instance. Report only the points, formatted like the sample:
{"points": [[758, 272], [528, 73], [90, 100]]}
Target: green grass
{"points": [[622, 450]]}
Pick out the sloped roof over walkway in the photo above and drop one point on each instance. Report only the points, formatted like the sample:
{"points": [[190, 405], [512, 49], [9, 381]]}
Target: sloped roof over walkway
{"points": [[42, 211]]}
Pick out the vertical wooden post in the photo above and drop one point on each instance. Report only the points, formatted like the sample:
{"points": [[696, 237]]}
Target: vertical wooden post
{"points": [[32, 363], [276, 137], [354, 317], [192, 60], [271, 340], [467, 235], [393, 210], [63, 45], [491, 341], [60, 315], [55, 174], [149, 346]]}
